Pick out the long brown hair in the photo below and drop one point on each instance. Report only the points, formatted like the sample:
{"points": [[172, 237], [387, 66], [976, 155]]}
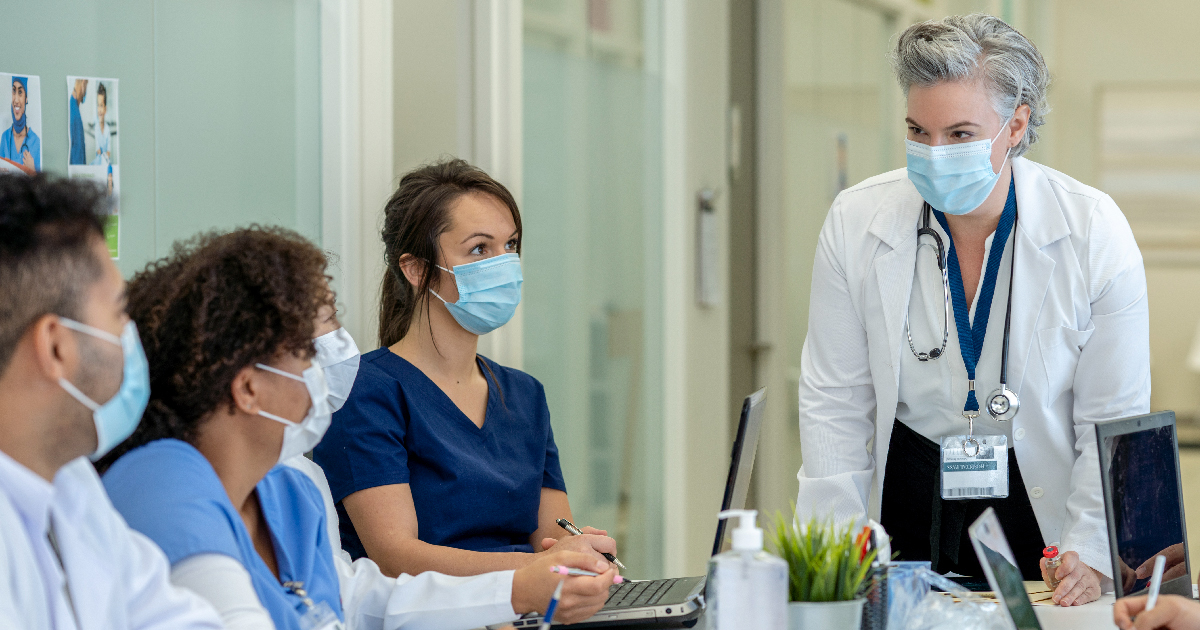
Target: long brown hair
{"points": [[416, 215]]}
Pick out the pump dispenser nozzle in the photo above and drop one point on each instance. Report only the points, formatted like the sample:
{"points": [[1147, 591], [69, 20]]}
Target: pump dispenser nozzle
{"points": [[748, 536]]}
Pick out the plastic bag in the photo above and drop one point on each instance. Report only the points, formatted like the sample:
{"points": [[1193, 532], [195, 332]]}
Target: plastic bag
{"points": [[938, 611], [905, 588]]}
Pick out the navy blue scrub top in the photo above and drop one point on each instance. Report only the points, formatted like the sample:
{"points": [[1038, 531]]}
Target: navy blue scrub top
{"points": [[473, 488]]}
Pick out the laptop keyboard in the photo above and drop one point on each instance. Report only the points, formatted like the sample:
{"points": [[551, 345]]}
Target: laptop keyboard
{"points": [[638, 594]]}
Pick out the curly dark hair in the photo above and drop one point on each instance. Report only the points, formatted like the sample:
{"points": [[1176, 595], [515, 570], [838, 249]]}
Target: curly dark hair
{"points": [[218, 303]]}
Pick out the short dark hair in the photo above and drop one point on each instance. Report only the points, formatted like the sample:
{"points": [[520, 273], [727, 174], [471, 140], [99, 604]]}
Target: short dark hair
{"points": [[100, 91], [48, 230], [217, 304]]}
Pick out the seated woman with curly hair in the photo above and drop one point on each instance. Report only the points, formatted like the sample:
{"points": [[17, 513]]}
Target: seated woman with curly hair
{"points": [[237, 388]]}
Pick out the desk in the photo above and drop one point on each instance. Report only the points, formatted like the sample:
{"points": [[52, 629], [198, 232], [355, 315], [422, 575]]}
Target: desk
{"points": [[1097, 615]]}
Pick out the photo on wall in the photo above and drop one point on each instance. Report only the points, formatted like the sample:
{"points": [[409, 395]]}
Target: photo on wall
{"points": [[93, 144], [21, 124]]}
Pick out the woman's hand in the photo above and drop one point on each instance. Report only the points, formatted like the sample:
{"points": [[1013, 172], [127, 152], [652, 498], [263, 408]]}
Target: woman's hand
{"points": [[593, 542], [1079, 584], [1175, 566], [1172, 612], [581, 596]]}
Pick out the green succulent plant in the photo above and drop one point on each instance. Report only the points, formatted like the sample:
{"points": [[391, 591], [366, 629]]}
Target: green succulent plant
{"points": [[826, 563]]}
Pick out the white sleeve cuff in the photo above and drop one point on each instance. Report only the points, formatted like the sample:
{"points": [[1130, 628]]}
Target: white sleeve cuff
{"points": [[226, 584]]}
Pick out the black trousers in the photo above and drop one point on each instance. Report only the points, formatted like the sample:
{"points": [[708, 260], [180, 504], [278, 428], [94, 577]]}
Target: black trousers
{"points": [[924, 526]]}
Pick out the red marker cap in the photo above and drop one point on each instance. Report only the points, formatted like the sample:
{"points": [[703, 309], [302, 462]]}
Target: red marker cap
{"points": [[1050, 552]]}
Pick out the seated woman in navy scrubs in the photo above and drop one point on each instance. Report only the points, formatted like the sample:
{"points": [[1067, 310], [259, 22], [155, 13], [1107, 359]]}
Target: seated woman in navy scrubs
{"points": [[215, 473], [442, 459]]}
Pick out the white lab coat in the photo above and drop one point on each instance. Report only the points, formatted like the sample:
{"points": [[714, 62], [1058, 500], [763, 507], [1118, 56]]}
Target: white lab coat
{"points": [[117, 577], [1079, 349]]}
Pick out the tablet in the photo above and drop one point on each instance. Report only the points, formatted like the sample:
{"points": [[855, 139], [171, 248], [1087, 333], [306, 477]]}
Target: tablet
{"points": [[1143, 500], [1000, 566]]}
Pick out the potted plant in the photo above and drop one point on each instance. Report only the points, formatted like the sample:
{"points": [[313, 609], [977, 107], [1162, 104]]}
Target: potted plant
{"points": [[827, 565]]}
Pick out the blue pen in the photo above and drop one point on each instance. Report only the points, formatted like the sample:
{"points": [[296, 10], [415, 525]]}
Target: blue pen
{"points": [[549, 616]]}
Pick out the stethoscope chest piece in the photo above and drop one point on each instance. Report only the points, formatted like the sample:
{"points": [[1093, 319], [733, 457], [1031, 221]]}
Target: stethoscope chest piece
{"points": [[1003, 404]]}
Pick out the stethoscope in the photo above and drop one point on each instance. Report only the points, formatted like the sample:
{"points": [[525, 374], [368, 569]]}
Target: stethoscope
{"points": [[1003, 403]]}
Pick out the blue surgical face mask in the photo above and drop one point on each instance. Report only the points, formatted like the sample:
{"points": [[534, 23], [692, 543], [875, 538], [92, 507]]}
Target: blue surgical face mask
{"points": [[488, 293], [954, 178], [116, 419]]}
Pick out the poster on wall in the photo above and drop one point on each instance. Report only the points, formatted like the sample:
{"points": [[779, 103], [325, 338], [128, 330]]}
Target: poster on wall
{"points": [[94, 149], [21, 124]]}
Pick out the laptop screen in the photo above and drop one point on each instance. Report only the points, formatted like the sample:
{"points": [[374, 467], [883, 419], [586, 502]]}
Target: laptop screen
{"points": [[741, 460], [1145, 511]]}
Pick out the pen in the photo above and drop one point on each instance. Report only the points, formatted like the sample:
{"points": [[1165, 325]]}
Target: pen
{"points": [[570, 527], [1160, 563], [548, 618], [572, 571]]}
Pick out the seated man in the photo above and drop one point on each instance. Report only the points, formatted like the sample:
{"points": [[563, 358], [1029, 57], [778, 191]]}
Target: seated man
{"points": [[73, 383]]}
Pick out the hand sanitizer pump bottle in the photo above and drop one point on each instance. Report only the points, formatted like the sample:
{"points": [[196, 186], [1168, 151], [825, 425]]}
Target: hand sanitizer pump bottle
{"points": [[747, 587]]}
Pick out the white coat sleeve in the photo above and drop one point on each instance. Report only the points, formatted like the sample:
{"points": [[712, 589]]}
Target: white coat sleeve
{"points": [[225, 584], [1112, 378], [154, 603], [429, 601], [837, 398]]}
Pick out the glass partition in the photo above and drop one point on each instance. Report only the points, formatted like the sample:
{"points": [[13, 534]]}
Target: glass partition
{"points": [[592, 219], [840, 127]]}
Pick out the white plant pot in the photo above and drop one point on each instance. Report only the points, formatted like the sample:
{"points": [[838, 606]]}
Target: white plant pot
{"points": [[845, 615]]}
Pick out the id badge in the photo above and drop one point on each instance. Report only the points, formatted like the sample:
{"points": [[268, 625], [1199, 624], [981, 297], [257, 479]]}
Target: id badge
{"points": [[320, 617], [975, 467]]}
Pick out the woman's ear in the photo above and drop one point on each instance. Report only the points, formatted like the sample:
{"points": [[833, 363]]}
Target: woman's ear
{"points": [[413, 268], [1019, 125], [244, 390]]}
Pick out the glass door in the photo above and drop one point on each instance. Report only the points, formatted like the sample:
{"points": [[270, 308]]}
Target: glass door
{"points": [[840, 127], [592, 214]]}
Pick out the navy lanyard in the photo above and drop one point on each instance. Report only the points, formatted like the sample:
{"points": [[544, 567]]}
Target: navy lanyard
{"points": [[970, 337]]}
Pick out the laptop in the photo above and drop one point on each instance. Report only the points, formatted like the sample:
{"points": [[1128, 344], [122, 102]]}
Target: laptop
{"points": [[1143, 502], [678, 602], [1000, 566]]}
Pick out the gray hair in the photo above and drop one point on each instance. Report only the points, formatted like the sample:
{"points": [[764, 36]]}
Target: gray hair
{"points": [[977, 47]]}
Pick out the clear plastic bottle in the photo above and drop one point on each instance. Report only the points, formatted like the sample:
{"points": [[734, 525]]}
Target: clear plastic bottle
{"points": [[747, 587], [1053, 561]]}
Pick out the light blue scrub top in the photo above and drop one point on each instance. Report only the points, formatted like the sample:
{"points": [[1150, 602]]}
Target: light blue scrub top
{"points": [[9, 149], [168, 491]]}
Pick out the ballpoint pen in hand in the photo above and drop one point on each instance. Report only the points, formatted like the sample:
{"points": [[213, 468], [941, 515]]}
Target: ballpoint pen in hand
{"points": [[548, 618], [1160, 563], [572, 571], [570, 527]]}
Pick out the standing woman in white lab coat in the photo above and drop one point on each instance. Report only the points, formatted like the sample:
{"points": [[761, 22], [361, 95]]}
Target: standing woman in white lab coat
{"points": [[931, 349]]}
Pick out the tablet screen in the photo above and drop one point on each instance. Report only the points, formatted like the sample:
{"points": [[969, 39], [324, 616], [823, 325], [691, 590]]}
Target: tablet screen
{"points": [[1001, 568], [1144, 486]]}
